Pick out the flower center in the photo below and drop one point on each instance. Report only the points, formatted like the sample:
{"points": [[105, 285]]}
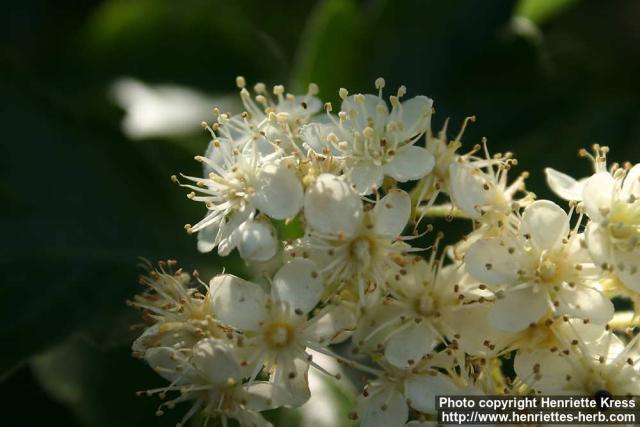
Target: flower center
{"points": [[624, 225], [361, 251], [279, 334], [540, 335], [425, 305], [547, 270]]}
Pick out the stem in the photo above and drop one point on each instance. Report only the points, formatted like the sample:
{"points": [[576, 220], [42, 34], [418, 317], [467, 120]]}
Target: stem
{"points": [[445, 210]]}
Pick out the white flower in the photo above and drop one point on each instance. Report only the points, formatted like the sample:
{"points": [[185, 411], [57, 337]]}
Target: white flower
{"points": [[426, 305], [541, 267], [375, 142], [174, 310], [386, 400], [595, 368], [349, 245], [238, 185], [444, 153], [211, 375], [276, 326], [479, 187], [613, 235], [272, 125], [295, 110]]}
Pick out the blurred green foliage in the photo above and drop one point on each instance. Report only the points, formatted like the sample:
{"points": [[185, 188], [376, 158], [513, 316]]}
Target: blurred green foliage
{"points": [[82, 202]]}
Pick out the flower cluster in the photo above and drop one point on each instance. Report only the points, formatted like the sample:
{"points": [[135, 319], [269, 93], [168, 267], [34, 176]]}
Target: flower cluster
{"points": [[531, 280]]}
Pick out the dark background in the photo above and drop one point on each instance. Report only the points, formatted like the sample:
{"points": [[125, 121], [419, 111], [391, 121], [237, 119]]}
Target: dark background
{"points": [[81, 201]]}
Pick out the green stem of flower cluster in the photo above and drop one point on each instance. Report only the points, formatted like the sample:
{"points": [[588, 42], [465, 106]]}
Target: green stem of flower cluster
{"points": [[441, 211]]}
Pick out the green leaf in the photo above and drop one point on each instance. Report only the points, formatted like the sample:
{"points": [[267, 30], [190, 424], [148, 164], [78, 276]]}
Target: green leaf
{"points": [[423, 44], [540, 11], [194, 42], [329, 51]]}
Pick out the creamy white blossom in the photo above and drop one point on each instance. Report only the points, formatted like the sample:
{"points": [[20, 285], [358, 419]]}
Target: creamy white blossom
{"points": [[351, 246], [596, 367], [537, 267], [375, 142], [613, 234], [276, 326], [426, 305], [386, 400], [212, 377], [240, 184], [479, 186]]}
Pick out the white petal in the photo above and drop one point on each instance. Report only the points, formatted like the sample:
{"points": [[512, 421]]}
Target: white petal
{"points": [[216, 361], [408, 346], [262, 395], [391, 213], [466, 189], [279, 192], [386, 408], [410, 163], [314, 135], [471, 324], [518, 309], [585, 332], [422, 391], [564, 185], [228, 231], [631, 185], [598, 243], [238, 303], [598, 194], [298, 283], [608, 346], [585, 303], [207, 238], [292, 375], [491, 262], [630, 271], [217, 155], [552, 369], [576, 250], [170, 364], [333, 326], [366, 177], [331, 207], [377, 323], [373, 109], [414, 115], [546, 223], [257, 241], [299, 106]]}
